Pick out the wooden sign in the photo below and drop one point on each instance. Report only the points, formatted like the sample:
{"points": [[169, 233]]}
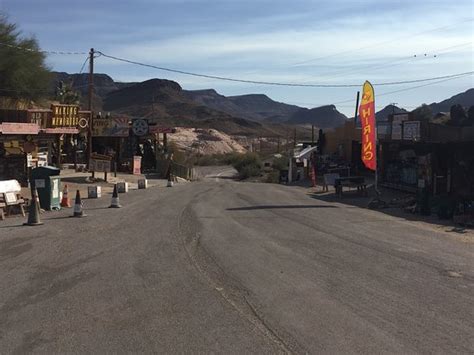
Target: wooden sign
{"points": [[64, 115], [19, 128]]}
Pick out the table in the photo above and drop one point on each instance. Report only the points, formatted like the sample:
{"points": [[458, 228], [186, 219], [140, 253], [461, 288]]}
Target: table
{"points": [[351, 181]]}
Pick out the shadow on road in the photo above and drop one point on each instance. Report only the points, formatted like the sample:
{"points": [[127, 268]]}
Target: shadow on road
{"points": [[392, 209], [274, 207], [222, 177]]}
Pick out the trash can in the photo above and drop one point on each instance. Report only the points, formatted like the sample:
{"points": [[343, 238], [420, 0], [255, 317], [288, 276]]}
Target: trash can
{"points": [[48, 184]]}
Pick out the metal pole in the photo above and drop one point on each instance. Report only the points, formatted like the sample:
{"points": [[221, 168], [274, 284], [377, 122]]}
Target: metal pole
{"points": [[357, 107], [376, 157], [91, 88]]}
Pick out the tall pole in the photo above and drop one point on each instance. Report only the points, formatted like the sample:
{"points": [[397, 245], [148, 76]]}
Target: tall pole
{"points": [[91, 89], [357, 107], [312, 135]]}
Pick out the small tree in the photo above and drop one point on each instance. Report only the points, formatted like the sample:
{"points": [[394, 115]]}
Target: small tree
{"points": [[65, 94], [470, 116], [458, 115], [422, 113], [23, 72]]}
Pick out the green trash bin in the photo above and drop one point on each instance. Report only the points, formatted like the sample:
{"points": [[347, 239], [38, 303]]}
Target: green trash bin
{"points": [[48, 184]]}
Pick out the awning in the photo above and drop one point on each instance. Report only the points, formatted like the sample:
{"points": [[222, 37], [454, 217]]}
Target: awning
{"points": [[305, 153]]}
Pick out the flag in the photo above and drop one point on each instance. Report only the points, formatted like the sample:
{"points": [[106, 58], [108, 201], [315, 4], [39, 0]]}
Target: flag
{"points": [[367, 119]]}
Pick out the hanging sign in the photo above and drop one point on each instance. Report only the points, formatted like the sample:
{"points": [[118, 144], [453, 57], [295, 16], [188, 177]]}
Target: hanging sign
{"points": [[367, 119], [140, 127], [110, 127], [159, 129]]}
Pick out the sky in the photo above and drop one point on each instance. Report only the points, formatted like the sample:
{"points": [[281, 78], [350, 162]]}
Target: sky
{"points": [[288, 41]]}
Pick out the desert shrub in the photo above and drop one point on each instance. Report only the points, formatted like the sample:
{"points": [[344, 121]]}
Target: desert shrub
{"points": [[247, 165]]}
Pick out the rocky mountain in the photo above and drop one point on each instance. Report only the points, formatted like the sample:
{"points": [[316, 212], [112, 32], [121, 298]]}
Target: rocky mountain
{"points": [[163, 101], [383, 114], [256, 107], [264, 108], [465, 99], [322, 117], [257, 114]]}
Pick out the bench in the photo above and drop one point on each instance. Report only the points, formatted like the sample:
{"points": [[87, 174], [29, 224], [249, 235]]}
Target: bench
{"points": [[10, 198], [351, 182]]}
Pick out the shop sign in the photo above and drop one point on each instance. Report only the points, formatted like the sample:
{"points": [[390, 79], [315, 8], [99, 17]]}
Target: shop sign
{"points": [[411, 130], [397, 125], [110, 127], [61, 130], [38, 116], [101, 157], [19, 128], [102, 166], [140, 127], [157, 129], [65, 116], [383, 130]]}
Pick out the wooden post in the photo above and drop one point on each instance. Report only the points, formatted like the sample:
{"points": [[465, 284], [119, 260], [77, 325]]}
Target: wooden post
{"points": [[58, 158]]}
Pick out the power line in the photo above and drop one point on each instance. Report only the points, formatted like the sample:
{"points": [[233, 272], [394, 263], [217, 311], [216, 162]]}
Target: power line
{"points": [[403, 90], [396, 62], [37, 90], [381, 43], [279, 83], [41, 51]]}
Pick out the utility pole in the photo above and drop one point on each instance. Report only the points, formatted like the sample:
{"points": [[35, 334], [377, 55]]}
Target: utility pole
{"points": [[393, 107], [312, 135], [294, 139], [91, 118]]}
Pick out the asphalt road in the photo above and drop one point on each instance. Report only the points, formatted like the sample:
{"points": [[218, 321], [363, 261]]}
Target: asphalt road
{"points": [[228, 267]]}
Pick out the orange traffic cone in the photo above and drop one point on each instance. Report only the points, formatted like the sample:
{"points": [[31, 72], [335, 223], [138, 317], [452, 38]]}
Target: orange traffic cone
{"points": [[115, 199], [65, 200], [34, 210], [78, 211]]}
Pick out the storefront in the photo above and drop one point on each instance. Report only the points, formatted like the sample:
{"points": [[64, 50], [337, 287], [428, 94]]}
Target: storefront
{"points": [[422, 155], [123, 139], [38, 137]]}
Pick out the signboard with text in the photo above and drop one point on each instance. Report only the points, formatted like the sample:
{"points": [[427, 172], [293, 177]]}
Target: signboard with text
{"points": [[110, 127], [411, 130], [397, 125], [158, 129], [64, 116], [101, 166], [19, 128]]}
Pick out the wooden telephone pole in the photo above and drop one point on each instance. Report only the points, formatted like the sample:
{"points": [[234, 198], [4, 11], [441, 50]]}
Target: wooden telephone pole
{"points": [[91, 118]]}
